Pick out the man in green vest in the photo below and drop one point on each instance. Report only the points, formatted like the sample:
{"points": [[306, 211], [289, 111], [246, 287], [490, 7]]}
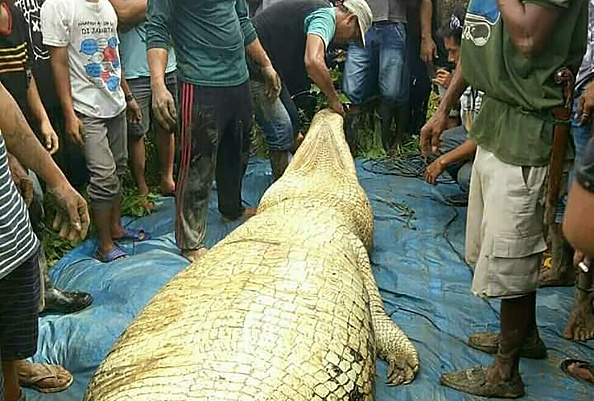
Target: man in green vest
{"points": [[511, 50]]}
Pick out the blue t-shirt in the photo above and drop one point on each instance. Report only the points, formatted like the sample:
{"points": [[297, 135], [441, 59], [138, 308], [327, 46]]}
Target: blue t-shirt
{"points": [[133, 53], [322, 23]]}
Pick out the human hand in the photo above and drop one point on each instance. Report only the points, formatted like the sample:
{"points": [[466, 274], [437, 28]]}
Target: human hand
{"points": [[272, 81], [337, 106], [133, 111], [443, 78], [431, 132], [75, 130], [72, 217], [585, 112], [434, 170], [21, 179], [164, 107], [428, 50], [49, 138]]}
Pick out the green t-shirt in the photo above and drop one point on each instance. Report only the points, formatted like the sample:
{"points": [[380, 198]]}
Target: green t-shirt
{"points": [[322, 23], [516, 121]]}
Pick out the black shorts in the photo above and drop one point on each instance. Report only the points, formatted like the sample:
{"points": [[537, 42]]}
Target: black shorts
{"points": [[19, 311]]}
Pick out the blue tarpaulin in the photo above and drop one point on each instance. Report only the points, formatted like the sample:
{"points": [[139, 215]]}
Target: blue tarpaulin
{"points": [[417, 260]]}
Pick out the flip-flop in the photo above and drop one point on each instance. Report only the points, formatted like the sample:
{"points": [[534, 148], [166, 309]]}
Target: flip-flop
{"points": [[113, 255], [46, 372], [582, 365], [134, 235]]}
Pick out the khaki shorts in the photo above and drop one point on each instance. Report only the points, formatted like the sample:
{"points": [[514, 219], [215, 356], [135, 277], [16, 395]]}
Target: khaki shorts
{"points": [[505, 227]]}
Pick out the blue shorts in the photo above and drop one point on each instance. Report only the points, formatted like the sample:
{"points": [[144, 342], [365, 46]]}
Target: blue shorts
{"points": [[382, 64]]}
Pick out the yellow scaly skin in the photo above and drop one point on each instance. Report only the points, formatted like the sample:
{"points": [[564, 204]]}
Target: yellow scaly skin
{"points": [[285, 308]]}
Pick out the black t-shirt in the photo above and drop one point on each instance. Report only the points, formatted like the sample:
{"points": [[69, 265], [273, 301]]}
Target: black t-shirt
{"points": [[585, 168], [15, 56], [40, 62]]}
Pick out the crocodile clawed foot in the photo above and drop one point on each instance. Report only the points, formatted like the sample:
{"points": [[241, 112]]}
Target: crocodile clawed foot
{"points": [[402, 369]]}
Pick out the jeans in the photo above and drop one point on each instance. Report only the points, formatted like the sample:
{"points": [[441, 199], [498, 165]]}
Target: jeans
{"points": [[461, 171], [382, 64], [274, 118], [580, 135]]}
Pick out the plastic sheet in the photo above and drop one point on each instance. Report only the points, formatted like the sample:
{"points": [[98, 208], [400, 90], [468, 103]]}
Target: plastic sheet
{"points": [[417, 262]]}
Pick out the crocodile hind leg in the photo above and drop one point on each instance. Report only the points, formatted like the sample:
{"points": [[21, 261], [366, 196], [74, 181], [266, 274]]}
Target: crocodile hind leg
{"points": [[392, 344]]}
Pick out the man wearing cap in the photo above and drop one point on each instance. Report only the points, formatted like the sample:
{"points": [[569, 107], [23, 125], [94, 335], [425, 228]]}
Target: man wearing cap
{"points": [[299, 55]]}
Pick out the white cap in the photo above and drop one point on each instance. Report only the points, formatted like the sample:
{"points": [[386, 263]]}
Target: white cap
{"points": [[364, 15]]}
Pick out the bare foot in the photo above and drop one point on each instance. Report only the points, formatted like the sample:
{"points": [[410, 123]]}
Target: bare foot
{"points": [[167, 188], [147, 203], [580, 325], [248, 212], [582, 372], [193, 255], [45, 378]]}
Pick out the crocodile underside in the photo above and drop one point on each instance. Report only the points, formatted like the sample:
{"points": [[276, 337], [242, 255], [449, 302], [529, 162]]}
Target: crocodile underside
{"points": [[284, 308]]}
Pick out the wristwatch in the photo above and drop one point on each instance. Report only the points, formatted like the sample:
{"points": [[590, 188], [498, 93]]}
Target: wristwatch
{"points": [[129, 97]]}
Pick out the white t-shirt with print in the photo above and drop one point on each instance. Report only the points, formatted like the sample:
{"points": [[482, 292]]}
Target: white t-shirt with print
{"points": [[89, 30]]}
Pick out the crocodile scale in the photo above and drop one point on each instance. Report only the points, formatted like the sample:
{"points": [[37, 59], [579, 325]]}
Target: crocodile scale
{"points": [[284, 308]]}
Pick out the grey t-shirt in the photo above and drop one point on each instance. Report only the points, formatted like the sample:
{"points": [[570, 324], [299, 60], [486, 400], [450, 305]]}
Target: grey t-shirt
{"points": [[388, 10], [587, 69]]}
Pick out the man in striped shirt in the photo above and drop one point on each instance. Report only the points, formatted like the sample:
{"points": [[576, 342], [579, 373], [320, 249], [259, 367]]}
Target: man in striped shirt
{"points": [[19, 247]]}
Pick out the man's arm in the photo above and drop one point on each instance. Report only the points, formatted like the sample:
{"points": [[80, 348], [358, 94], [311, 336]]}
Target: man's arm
{"points": [[257, 53], [243, 13], [428, 47], [530, 25], [432, 130], [464, 152], [158, 35], [61, 68], [130, 12], [21, 142], [49, 138], [315, 65]]}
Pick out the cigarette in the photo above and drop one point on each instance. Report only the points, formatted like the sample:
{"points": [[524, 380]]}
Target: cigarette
{"points": [[585, 268]]}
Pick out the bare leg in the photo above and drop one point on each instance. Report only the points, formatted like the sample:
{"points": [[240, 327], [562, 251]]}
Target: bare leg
{"points": [[117, 231], [580, 325], [12, 389], [103, 220], [166, 147], [137, 162], [562, 271]]}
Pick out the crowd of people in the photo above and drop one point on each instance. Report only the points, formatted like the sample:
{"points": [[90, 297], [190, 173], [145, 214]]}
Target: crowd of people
{"points": [[88, 80]]}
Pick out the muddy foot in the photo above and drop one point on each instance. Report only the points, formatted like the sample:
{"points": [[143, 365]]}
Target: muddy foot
{"points": [[580, 325], [194, 255]]}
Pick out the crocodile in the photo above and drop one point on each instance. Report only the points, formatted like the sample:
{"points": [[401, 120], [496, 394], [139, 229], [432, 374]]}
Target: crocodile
{"points": [[286, 307]]}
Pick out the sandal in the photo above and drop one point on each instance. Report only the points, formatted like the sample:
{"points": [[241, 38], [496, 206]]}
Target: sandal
{"points": [[116, 253], [474, 381], [134, 235], [39, 373], [568, 364]]}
